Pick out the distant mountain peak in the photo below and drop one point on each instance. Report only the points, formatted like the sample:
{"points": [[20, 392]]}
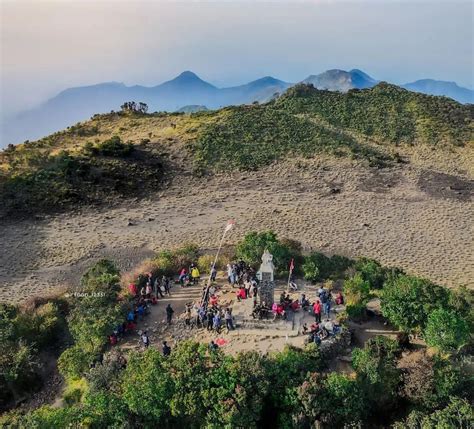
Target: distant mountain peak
{"points": [[188, 74], [341, 80], [187, 79]]}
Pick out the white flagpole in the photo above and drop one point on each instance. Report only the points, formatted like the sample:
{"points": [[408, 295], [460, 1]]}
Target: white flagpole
{"points": [[205, 298]]}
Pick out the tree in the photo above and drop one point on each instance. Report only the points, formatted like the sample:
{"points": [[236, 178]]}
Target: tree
{"points": [[377, 371], [237, 390], [189, 366], [430, 382], [132, 106], [316, 267], [406, 301], [318, 396], [147, 387], [446, 330], [286, 371], [457, 414]]}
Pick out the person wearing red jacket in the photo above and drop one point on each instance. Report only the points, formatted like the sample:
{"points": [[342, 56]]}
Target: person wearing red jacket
{"points": [[317, 311]]}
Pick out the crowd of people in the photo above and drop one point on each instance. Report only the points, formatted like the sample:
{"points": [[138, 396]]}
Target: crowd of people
{"points": [[210, 315]]}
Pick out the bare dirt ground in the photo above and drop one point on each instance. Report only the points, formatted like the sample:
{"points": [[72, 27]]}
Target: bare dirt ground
{"points": [[408, 216]]}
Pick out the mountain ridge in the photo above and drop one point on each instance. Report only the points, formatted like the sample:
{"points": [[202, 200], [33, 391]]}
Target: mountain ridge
{"points": [[79, 103], [127, 153]]}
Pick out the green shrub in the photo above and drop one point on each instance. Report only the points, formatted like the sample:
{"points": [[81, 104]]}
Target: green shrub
{"points": [[75, 391], [371, 271], [446, 330], [147, 386], [251, 248], [406, 301], [356, 291], [235, 396], [170, 262], [319, 267], [286, 371], [356, 312], [75, 361], [40, 325], [110, 147]]}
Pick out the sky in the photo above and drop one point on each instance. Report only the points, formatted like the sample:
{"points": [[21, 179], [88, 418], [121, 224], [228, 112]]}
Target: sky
{"points": [[47, 46]]}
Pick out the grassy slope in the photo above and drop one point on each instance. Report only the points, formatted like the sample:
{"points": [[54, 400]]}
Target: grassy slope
{"points": [[59, 172]]}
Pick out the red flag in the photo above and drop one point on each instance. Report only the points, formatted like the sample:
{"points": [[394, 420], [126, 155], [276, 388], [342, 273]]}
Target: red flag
{"points": [[292, 265]]}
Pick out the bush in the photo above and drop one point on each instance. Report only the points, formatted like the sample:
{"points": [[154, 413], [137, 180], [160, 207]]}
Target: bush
{"points": [[286, 371], [446, 330], [251, 248], [111, 147], [356, 291], [105, 375], [319, 267], [24, 332], [371, 272], [235, 396], [75, 391], [170, 262], [41, 325], [75, 361], [407, 301]]}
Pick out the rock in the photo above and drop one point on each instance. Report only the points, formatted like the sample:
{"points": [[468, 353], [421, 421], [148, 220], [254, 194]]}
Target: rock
{"points": [[151, 219], [130, 223], [334, 191]]}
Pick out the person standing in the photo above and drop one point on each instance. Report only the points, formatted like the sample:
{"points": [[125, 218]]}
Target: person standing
{"points": [[169, 314], [217, 322], [317, 311], [228, 320], [327, 307], [145, 339], [210, 320], [165, 281], [157, 288], [213, 273], [166, 349], [195, 275]]}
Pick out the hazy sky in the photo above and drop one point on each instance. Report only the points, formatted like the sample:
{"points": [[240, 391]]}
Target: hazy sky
{"points": [[47, 46]]}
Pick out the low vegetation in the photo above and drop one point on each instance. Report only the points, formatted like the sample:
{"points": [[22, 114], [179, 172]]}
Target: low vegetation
{"points": [[122, 153], [38, 181]]}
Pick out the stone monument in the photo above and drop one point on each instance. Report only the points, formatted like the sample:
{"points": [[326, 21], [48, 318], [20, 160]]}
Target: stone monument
{"points": [[265, 274]]}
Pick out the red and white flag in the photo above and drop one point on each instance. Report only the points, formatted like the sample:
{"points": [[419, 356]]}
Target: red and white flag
{"points": [[229, 225], [292, 265]]}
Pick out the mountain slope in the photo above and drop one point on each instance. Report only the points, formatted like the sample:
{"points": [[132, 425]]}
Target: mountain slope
{"points": [[78, 104], [386, 112], [126, 154], [439, 87]]}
